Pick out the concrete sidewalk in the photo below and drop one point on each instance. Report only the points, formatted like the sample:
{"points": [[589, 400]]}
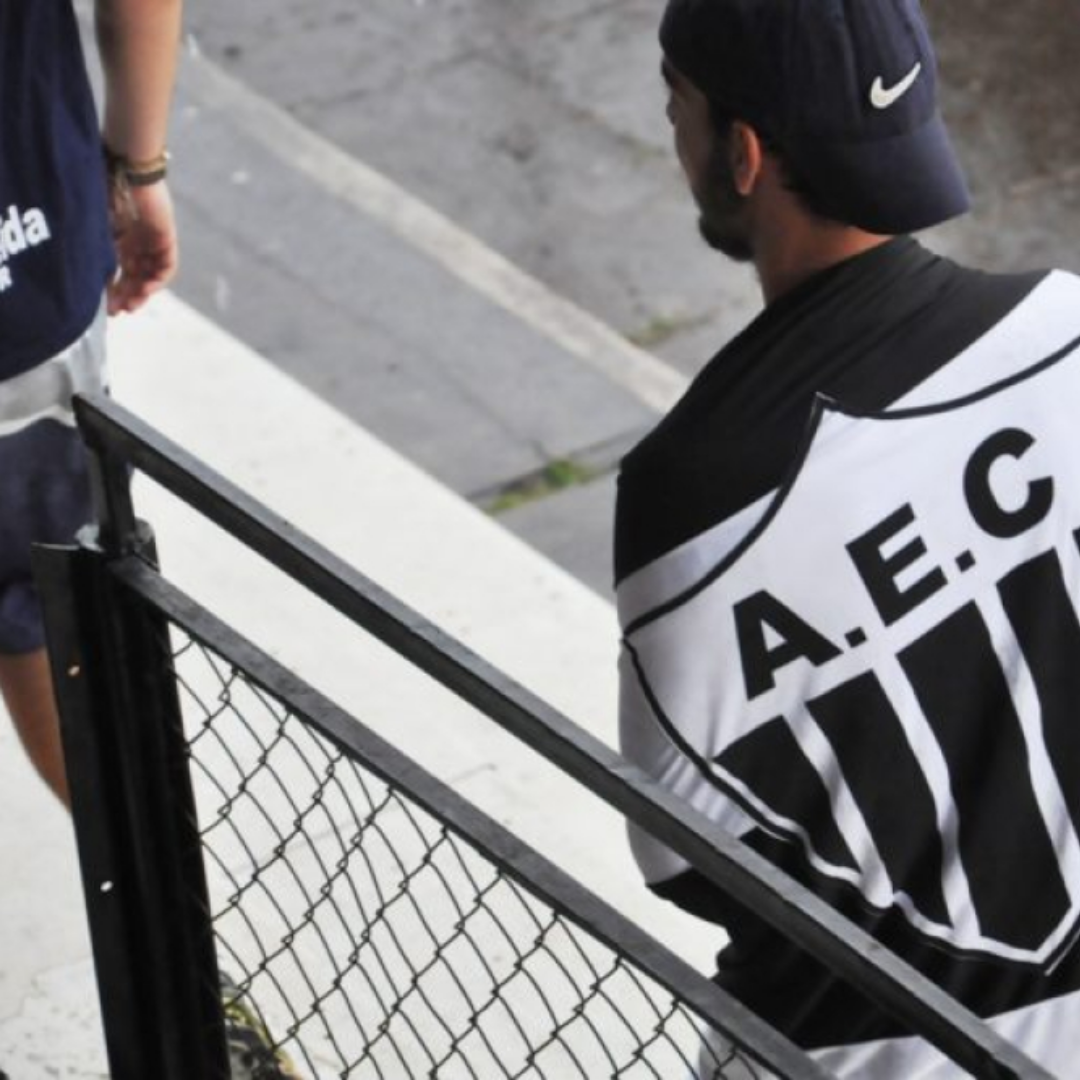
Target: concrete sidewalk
{"points": [[411, 535]]}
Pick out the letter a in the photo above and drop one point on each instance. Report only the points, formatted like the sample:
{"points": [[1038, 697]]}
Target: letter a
{"points": [[799, 640], [37, 228]]}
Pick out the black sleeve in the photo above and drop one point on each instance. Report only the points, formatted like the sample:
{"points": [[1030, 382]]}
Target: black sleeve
{"points": [[697, 895]]}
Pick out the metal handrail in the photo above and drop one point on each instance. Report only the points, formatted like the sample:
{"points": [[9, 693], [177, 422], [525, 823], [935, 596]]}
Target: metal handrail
{"points": [[118, 439]]}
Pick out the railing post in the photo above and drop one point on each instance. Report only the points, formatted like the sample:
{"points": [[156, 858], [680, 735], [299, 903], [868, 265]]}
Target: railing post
{"points": [[135, 822]]}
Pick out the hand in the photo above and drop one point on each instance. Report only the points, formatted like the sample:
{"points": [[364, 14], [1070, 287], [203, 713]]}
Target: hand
{"points": [[144, 231]]}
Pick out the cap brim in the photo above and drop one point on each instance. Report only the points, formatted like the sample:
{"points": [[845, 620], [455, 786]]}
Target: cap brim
{"points": [[890, 186]]}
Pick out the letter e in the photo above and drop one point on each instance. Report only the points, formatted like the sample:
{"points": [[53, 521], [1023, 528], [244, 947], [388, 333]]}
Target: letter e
{"points": [[879, 573]]}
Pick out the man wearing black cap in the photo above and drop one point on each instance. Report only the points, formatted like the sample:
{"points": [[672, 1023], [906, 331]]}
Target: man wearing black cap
{"points": [[848, 561]]}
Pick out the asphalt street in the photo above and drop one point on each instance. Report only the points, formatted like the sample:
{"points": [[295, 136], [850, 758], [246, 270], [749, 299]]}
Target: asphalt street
{"points": [[538, 128]]}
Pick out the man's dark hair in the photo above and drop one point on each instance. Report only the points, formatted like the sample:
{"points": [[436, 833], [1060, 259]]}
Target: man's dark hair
{"points": [[812, 200]]}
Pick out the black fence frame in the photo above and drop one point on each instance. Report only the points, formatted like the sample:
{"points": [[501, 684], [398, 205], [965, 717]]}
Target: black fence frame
{"points": [[106, 610]]}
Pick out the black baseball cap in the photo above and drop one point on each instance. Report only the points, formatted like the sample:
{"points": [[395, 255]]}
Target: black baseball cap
{"points": [[848, 91]]}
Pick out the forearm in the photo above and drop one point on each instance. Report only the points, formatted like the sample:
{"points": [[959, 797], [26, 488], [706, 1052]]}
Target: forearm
{"points": [[138, 41]]}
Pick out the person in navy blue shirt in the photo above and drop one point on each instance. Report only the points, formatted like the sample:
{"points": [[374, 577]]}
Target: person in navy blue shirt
{"points": [[86, 227]]}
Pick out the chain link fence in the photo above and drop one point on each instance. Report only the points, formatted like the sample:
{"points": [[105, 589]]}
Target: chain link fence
{"points": [[376, 943]]}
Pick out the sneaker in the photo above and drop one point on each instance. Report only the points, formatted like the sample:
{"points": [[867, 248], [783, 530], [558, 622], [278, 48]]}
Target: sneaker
{"points": [[252, 1052]]}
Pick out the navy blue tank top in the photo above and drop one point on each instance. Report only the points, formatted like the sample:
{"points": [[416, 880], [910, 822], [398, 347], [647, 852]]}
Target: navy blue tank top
{"points": [[56, 253]]}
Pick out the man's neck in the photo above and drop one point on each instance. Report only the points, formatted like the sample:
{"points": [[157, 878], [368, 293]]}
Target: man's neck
{"points": [[790, 244], [786, 264]]}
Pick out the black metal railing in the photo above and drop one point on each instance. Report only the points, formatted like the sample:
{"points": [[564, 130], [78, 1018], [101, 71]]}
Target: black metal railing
{"points": [[183, 871], [385, 927]]}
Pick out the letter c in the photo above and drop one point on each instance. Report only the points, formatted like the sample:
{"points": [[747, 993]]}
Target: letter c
{"points": [[989, 514]]}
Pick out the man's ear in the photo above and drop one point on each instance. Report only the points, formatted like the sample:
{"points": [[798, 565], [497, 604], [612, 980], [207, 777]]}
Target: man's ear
{"points": [[745, 153]]}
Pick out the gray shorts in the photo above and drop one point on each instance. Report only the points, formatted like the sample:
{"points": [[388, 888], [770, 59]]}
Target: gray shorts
{"points": [[44, 486]]}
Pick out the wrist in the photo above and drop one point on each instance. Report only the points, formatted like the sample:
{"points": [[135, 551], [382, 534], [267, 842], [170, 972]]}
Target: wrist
{"points": [[132, 173]]}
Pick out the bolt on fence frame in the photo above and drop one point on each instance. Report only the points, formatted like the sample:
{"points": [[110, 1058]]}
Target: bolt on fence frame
{"points": [[119, 440]]}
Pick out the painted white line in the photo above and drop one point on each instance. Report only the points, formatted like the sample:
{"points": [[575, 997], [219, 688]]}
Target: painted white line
{"points": [[580, 334]]}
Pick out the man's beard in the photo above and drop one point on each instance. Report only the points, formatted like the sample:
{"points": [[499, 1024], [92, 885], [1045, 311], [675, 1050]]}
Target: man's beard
{"points": [[721, 207]]}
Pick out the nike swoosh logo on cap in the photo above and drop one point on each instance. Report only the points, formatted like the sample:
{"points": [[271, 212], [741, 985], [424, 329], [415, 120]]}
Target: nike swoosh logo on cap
{"points": [[882, 98]]}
